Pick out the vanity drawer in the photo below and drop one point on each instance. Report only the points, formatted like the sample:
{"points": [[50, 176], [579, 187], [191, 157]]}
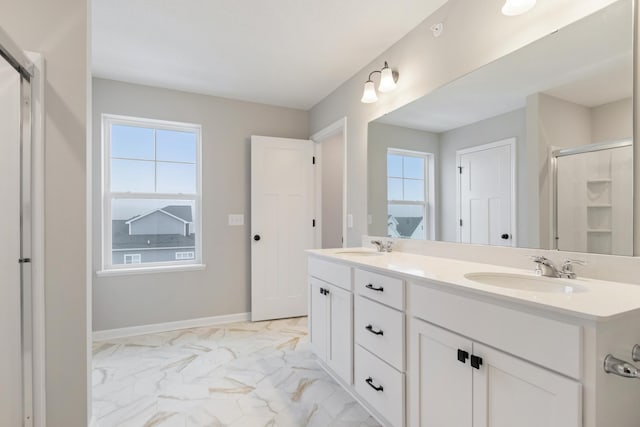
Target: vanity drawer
{"points": [[380, 330], [381, 288], [331, 272], [546, 342], [372, 372]]}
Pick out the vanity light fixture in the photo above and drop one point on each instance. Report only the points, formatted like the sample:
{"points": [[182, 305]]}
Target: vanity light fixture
{"points": [[517, 7], [388, 79]]}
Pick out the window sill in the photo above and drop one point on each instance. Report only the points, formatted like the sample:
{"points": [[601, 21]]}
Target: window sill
{"points": [[150, 270]]}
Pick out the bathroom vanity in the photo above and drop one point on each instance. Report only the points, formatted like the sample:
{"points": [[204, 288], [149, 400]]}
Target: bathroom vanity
{"points": [[427, 341]]}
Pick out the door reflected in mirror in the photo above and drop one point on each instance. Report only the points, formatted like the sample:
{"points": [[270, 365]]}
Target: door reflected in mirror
{"points": [[516, 152]]}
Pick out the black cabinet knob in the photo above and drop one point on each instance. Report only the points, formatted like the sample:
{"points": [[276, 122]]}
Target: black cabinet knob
{"points": [[505, 236], [463, 356], [256, 237]]}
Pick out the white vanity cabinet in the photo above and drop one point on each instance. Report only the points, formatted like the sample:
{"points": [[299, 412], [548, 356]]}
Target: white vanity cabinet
{"points": [[419, 346], [331, 317], [462, 383]]}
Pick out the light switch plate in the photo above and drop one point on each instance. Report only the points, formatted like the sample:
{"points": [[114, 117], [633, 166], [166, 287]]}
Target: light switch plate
{"points": [[236, 219], [350, 220]]}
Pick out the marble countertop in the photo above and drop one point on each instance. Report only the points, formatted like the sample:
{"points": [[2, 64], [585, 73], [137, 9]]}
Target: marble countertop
{"points": [[596, 300]]}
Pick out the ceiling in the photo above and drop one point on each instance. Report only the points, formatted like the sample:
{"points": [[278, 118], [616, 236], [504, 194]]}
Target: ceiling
{"points": [[290, 53], [589, 63]]}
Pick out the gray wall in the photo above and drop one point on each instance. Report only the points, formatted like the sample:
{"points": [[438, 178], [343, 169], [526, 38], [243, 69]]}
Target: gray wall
{"points": [[612, 121], [223, 287], [512, 124], [58, 30], [381, 138], [475, 34]]}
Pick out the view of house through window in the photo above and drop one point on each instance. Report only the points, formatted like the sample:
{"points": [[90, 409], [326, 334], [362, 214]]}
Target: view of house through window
{"points": [[407, 194], [151, 192]]}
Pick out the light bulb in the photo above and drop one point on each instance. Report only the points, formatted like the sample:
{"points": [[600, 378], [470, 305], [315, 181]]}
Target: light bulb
{"points": [[517, 7], [369, 95]]}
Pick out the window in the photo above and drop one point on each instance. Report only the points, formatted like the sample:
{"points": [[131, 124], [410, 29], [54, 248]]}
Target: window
{"points": [[152, 194], [132, 258], [408, 197], [184, 255]]}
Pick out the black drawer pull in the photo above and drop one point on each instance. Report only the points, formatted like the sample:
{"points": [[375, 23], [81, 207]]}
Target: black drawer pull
{"points": [[373, 288], [463, 356], [376, 388], [476, 361], [370, 329]]}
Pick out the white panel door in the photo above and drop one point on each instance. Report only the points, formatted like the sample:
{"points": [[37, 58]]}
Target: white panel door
{"points": [[340, 357], [282, 214], [10, 301], [486, 194], [510, 392], [441, 383]]}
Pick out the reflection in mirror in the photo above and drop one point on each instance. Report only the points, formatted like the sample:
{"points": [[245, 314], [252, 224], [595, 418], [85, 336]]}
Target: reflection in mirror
{"points": [[533, 150]]}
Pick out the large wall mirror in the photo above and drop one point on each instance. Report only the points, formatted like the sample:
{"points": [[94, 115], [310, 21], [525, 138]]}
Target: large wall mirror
{"points": [[533, 150]]}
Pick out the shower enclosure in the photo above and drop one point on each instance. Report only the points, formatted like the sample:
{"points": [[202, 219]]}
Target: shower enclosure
{"points": [[15, 237], [593, 198]]}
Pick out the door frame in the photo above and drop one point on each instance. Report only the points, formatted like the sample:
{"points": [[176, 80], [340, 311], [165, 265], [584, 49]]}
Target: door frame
{"points": [[510, 142], [337, 127]]}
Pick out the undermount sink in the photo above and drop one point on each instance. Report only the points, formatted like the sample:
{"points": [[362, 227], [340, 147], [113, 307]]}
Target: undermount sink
{"points": [[523, 282], [362, 252]]}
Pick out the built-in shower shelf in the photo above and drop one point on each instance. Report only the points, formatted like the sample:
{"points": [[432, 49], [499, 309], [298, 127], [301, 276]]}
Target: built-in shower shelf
{"points": [[599, 181], [599, 230]]}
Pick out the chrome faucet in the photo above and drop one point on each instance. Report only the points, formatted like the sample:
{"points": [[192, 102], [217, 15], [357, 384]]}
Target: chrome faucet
{"points": [[567, 268], [545, 267], [383, 247]]}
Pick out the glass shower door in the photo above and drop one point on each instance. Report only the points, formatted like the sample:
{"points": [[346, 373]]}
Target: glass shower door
{"points": [[11, 326]]}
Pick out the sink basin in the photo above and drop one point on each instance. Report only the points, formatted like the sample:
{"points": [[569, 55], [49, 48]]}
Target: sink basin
{"points": [[360, 252], [523, 282]]}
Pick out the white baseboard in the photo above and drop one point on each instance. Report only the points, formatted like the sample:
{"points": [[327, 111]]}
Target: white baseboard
{"points": [[109, 334]]}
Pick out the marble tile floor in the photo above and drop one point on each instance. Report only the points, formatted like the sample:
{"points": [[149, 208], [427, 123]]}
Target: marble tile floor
{"points": [[238, 375]]}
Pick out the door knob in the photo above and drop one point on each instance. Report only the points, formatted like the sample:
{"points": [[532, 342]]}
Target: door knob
{"points": [[505, 236], [256, 237]]}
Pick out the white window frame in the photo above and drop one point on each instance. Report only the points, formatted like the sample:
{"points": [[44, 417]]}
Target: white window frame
{"points": [[137, 257], [428, 205], [108, 120], [185, 255]]}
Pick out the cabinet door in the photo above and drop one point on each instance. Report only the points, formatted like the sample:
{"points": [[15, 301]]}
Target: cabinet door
{"points": [[319, 318], [440, 383], [341, 333], [509, 392]]}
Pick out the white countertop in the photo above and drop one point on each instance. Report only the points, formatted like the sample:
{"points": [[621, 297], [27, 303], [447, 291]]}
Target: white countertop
{"points": [[600, 300]]}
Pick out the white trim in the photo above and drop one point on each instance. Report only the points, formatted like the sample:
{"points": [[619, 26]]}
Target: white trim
{"points": [[153, 211], [511, 142], [148, 270], [38, 236], [331, 130], [110, 334]]}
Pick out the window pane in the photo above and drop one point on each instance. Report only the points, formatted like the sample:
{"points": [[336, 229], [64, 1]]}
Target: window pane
{"points": [[155, 229], [414, 167], [394, 189], [176, 146], [132, 142], [406, 221], [394, 165], [414, 190], [176, 178], [136, 176]]}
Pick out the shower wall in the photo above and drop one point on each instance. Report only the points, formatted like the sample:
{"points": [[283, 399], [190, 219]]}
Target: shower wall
{"points": [[595, 202]]}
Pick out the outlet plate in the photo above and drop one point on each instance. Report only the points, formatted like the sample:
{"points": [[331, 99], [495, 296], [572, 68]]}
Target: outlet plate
{"points": [[236, 219]]}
